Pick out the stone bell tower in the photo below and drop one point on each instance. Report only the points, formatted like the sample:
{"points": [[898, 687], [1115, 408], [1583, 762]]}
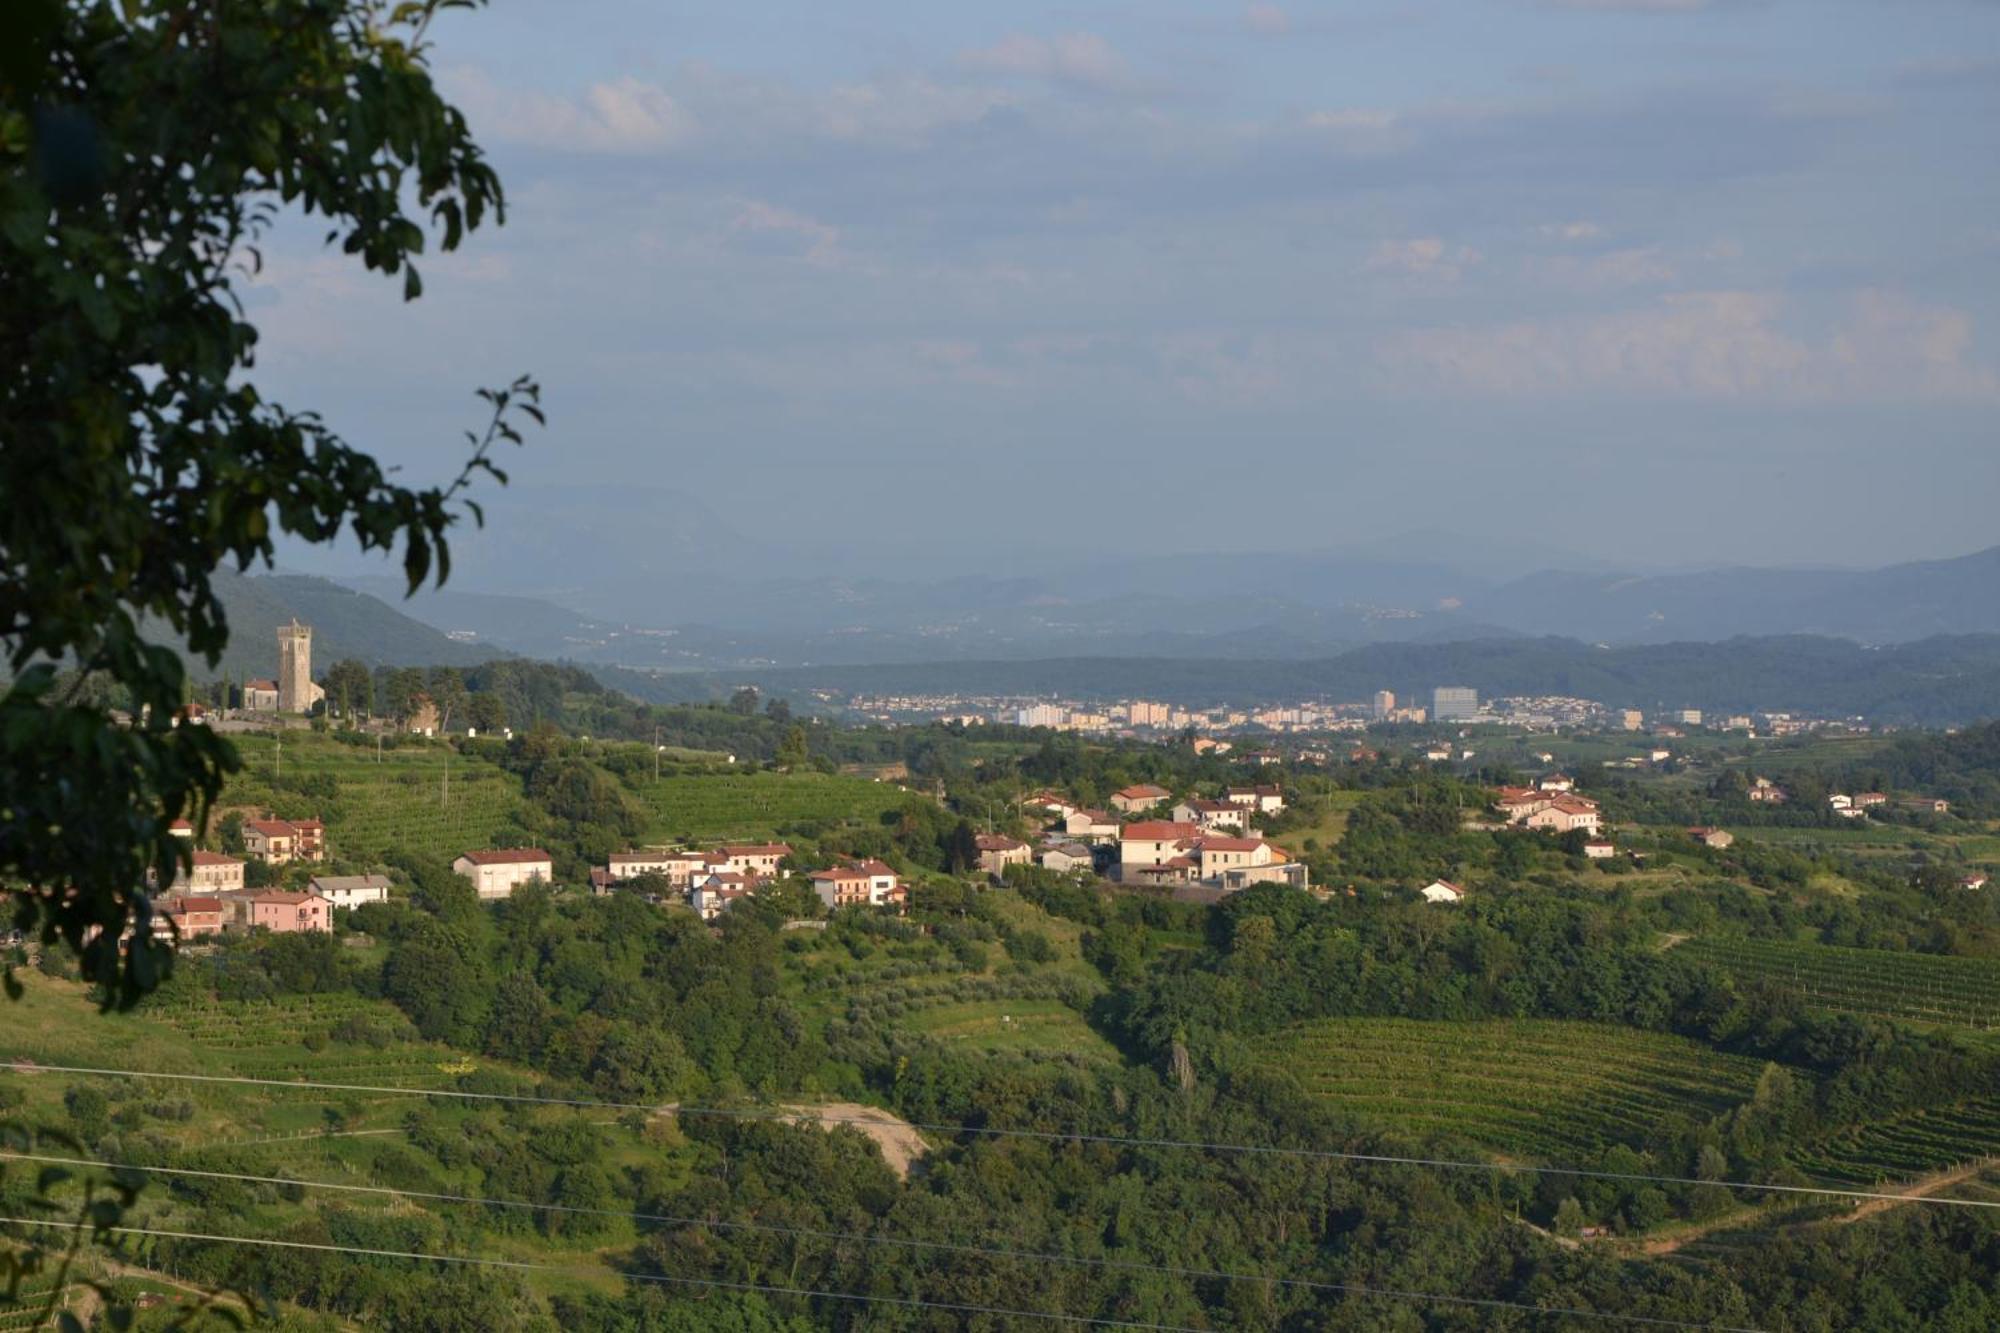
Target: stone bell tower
{"points": [[295, 677]]}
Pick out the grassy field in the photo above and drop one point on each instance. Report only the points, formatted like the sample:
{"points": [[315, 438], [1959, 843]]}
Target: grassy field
{"points": [[1325, 831], [1911, 987], [1013, 1025], [1536, 1087], [751, 805], [417, 797]]}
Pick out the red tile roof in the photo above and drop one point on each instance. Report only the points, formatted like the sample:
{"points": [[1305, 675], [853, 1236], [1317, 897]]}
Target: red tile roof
{"points": [[1231, 844], [508, 856], [997, 842], [1158, 830], [202, 858], [1144, 791]]}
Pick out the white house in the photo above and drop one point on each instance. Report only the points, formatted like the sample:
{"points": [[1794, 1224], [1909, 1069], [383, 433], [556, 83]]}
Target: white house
{"points": [[1066, 857], [1155, 842], [497, 873], [1266, 800], [720, 892], [1556, 782], [1597, 849], [1211, 814], [1442, 891], [351, 890]]}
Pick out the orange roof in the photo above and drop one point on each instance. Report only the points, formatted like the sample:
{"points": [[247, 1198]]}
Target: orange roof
{"points": [[1231, 844], [202, 858], [1158, 830], [1143, 790]]}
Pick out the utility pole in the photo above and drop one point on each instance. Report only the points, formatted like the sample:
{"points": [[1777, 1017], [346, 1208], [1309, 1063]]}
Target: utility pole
{"points": [[444, 786], [656, 754], [278, 763]]}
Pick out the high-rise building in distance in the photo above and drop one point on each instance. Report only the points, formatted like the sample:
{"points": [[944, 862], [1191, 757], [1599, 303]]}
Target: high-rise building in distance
{"points": [[1453, 702], [1385, 704]]}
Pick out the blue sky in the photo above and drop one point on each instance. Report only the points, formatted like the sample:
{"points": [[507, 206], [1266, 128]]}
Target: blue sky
{"points": [[1659, 281]]}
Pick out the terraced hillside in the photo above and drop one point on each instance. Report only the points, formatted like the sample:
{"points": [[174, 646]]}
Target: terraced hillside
{"points": [[416, 797], [1911, 987], [1543, 1087], [750, 805]]}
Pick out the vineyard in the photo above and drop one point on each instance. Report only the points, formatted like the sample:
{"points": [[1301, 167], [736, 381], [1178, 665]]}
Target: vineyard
{"points": [[1912, 987], [1909, 1145], [1553, 1088], [340, 1038], [425, 799], [751, 805]]}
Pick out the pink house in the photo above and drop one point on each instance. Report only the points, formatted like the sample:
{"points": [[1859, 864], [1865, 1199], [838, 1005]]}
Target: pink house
{"points": [[284, 913]]}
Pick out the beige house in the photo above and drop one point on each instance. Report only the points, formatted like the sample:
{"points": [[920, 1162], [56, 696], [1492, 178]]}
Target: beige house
{"points": [[997, 851], [280, 841], [860, 884], [758, 859], [213, 873], [1717, 838], [1141, 796], [1566, 814], [1092, 826], [497, 873], [260, 696]]}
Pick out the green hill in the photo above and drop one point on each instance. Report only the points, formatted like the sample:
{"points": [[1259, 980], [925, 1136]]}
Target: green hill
{"points": [[345, 624]]}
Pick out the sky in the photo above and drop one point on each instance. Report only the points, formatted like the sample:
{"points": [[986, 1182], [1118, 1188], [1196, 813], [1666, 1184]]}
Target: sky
{"points": [[1657, 282]]}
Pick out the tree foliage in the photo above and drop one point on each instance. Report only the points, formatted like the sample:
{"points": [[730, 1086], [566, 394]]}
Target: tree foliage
{"points": [[145, 149]]}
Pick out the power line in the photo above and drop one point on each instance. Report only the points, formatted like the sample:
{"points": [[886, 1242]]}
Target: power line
{"points": [[478, 1261], [1038, 1135], [811, 1292], [991, 1252]]}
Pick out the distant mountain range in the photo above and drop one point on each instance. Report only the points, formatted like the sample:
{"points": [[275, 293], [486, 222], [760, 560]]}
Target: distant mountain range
{"points": [[1935, 680], [1231, 606], [1932, 682]]}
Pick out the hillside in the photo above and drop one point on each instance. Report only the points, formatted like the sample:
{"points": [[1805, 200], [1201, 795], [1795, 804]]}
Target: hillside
{"points": [[1894, 604], [345, 624]]}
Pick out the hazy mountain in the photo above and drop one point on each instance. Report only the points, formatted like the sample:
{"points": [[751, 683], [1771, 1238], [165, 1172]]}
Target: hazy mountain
{"points": [[1894, 604], [345, 623]]}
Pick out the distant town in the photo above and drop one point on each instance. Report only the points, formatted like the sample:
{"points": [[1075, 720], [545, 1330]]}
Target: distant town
{"points": [[1147, 718]]}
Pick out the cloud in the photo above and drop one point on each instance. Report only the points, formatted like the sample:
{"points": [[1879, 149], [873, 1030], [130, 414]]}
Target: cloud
{"points": [[1080, 59], [1715, 345], [1423, 256], [1603, 272], [1352, 118], [625, 115], [820, 242], [1266, 18], [1640, 6], [1580, 230]]}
